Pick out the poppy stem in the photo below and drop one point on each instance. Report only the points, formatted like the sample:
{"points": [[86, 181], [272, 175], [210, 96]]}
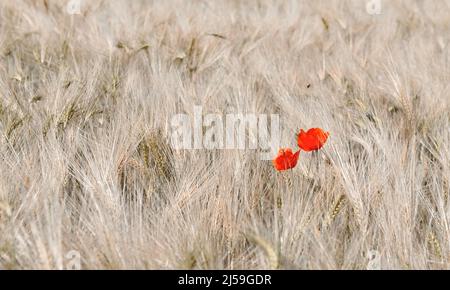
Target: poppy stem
{"points": [[316, 160], [308, 172]]}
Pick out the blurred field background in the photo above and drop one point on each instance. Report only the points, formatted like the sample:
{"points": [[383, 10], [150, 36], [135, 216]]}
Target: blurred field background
{"points": [[87, 167]]}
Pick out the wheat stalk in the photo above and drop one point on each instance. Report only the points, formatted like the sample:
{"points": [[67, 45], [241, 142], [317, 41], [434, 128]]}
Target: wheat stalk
{"points": [[435, 245], [337, 208], [271, 253]]}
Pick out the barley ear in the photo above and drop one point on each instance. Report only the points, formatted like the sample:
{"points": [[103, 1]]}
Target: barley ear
{"points": [[271, 253]]}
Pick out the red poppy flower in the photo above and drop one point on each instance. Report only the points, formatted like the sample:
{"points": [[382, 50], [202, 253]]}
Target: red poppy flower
{"points": [[312, 140], [286, 159]]}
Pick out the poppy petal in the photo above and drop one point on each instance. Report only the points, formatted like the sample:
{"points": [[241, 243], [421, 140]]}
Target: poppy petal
{"points": [[286, 159], [312, 140]]}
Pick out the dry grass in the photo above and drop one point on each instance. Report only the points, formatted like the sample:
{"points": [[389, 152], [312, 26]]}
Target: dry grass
{"points": [[86, 164]]}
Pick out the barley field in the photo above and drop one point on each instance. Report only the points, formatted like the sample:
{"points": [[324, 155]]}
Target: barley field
{"points": [[89, 178]]}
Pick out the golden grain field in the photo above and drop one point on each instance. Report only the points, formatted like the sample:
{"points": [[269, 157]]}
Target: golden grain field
{"points": [[89, 179]]}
